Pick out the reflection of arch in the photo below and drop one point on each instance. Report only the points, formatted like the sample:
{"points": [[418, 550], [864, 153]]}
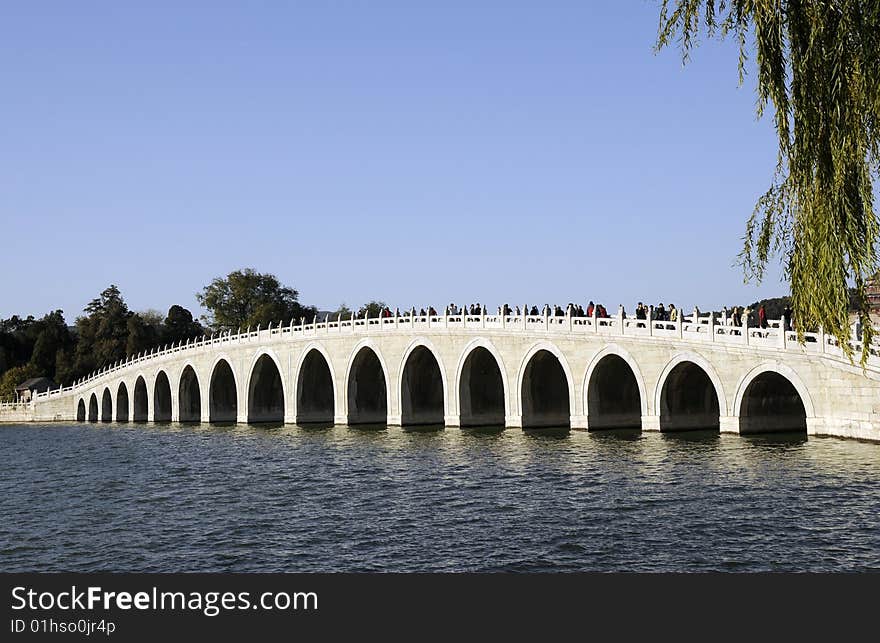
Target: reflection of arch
{"points": [[122, 403], [107, 406], [161, 398], [93, 408], [266, 390], [699, 360], [690, 396], [362, 403], [772, 397], [140, 410], [471, 346], [222, 392], [315, 386], [81, 410], [542, 403], [614, 390], [424, 395], [482, 388], [189, 397]]}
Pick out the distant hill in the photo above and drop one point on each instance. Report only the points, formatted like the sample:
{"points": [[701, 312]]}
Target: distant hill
{"points": [[773, 306]]}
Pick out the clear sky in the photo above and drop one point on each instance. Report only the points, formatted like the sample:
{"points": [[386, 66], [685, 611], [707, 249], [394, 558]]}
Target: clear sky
{"points": [[414, 152]]}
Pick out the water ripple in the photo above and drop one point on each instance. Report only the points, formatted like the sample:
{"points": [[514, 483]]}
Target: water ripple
{"points": [[201, 498]]}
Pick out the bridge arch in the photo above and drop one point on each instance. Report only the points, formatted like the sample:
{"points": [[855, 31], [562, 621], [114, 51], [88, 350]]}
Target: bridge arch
{"points": [[140, 411], [777, 385], [107, 405], [315, 388], [477, 390], [122, 402], [81, 410], [189, 397], [546, 388], [93, 408], [266, 388], [689, 394], [615, 395], [424, 398], [367, 385], [161, 398], [223, 391]]}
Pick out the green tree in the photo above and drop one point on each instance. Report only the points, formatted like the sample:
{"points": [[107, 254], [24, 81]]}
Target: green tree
{"points": [[374, 308], [53, 336], [65, 373], [17, 338], [102, 332], [179, 325], [141, 334], [344, 311], [819, 65], [247, 298], [15, 376]]}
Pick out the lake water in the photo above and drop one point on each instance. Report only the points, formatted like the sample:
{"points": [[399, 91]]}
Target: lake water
{"points": [[242, 498]]}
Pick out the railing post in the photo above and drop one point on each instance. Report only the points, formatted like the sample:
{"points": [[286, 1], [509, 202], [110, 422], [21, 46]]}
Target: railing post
{"points": [[822, 337], [712, 326], [783, 339], [525, 314], [620, 322], [746, 329], [482, 316], [594, 319], [547, 318], [651, 320], [679, 321]]}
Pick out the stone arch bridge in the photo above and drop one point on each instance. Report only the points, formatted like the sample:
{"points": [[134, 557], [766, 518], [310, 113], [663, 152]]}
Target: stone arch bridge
{"points": [[512, 370]]}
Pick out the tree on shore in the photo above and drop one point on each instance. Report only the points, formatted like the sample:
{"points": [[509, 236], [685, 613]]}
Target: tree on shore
{"points": [[343, 312], [247, 298], [179, 325], [819, 66], [108, 332], [373, 308], [102, 332]]}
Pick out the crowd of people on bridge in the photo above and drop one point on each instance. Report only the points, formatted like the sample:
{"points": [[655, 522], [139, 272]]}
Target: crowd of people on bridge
{"points": [[737, 316]]}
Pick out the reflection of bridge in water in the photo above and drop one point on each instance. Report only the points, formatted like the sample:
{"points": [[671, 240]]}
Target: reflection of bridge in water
{"points": [[512, 370]]}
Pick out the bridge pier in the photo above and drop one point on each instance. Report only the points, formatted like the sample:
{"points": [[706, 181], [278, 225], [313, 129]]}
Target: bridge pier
{"points": [[650, 423], [579, 423], [729, 424], [817, 426]]}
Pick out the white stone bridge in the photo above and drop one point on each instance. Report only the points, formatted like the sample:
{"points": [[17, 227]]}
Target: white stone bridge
{"points": [[512, 370]]}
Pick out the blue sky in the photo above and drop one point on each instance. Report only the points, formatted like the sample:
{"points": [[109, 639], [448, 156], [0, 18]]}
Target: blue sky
{"points": [[412, 152]]}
